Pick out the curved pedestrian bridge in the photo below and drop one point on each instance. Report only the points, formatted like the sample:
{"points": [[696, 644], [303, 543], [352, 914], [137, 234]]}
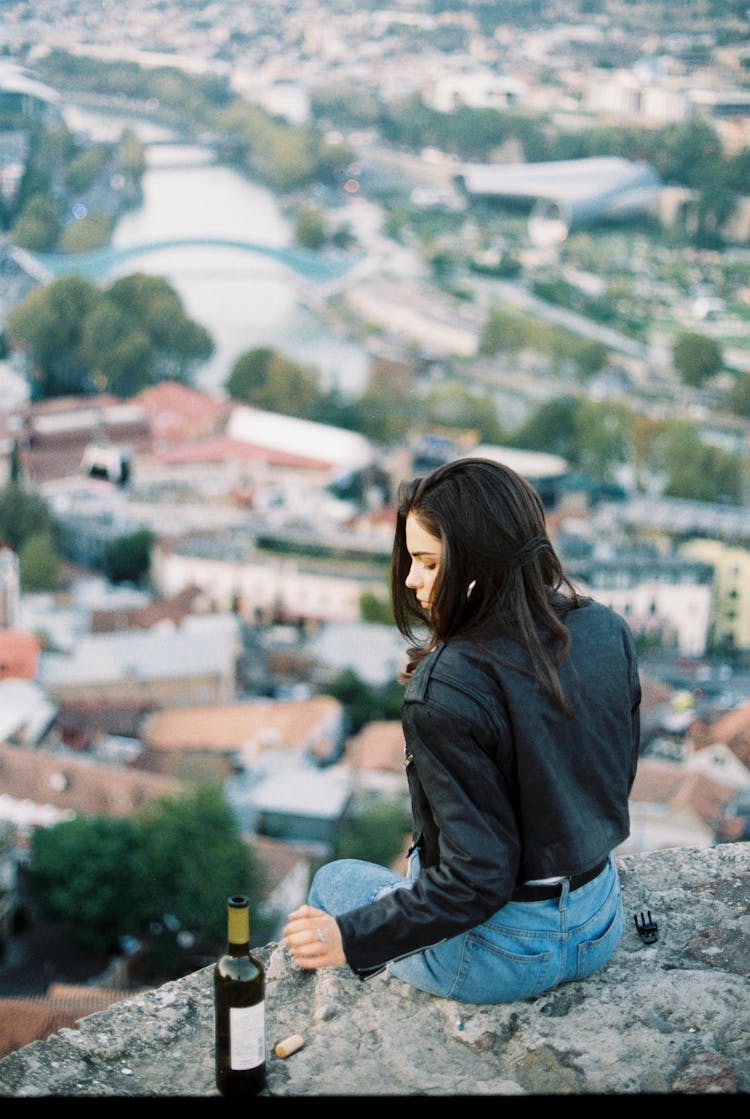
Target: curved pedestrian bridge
{"points": [[99, 263]]}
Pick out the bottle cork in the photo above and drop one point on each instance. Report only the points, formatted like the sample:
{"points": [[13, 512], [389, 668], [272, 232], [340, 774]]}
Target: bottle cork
{"points": [[289, 1045]]}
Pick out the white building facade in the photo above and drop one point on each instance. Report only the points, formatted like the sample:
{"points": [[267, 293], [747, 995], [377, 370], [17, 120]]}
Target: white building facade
{"points": [[266, 586]]}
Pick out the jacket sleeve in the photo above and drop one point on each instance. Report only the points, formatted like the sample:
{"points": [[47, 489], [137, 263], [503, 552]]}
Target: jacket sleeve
{"points": [[454, 750], [635, 702]]}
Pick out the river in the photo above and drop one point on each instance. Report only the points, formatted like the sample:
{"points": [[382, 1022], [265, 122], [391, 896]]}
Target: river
{"points": [[243, 299]]}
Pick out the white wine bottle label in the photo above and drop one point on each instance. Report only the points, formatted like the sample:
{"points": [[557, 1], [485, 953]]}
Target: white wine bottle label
{"points": [[247, 1041]]}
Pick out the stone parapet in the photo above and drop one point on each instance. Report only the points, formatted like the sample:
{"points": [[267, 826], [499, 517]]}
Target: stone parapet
{"points": [[668, 1017]]}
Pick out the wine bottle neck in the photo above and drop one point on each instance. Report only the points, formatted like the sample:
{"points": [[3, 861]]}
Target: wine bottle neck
{"points": [[238, 927]]}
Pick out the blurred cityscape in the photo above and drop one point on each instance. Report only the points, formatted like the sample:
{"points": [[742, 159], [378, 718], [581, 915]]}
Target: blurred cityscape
{"points": [[259, 263]]}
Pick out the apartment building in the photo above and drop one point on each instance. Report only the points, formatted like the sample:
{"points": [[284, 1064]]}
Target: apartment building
{"points": [[730, 625], [664, 600], [264, 585]]}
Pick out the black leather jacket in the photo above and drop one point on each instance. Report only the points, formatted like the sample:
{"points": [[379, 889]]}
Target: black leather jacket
{"points": [[504, 787]]}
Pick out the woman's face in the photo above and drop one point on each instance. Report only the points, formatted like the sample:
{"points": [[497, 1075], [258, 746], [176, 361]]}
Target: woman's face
{"points": [[426, 552]]}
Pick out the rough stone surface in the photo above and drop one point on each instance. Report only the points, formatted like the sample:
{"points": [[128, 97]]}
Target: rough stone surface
{"points": [[670, 1017]]}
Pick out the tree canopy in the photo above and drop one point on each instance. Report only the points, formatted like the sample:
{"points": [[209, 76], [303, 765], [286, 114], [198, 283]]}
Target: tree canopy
{"points": [[376, 832], [697, 470], [165, 870], [127, 559], [363, 702], [508, 331], [23, 514], [39, 562], [598, 438], [738, 398], [81, 339], [37, 225], [265, 378], [696, 357], [310, 227]]}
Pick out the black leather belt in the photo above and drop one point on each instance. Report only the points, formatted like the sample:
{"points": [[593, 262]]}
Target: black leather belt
{"points": [[554, 889]]}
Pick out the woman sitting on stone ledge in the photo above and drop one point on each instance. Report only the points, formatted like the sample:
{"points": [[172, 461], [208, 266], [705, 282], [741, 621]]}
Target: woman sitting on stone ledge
{"points": [[521, 721]]}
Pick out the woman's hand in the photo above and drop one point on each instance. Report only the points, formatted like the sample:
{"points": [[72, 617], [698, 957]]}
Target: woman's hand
{"points": [[313, 939]]}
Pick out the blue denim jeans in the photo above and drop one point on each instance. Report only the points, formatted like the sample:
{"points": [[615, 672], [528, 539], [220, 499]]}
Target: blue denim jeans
{"points": [[522, 950]]}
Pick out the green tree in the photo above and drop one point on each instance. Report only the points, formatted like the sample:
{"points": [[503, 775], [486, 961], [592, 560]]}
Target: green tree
{"points": [[687, 153], [85, 168], [696, 470], [390, 405], [190, 857], [696, 357], [376, 832], [287, 156], [265, 378], [178, 343], [380, 420], [23, 514], [115, 348], [48, 323], [249, 373], [37, 226], [39, 562], [310, 227], [85, 235], [375, 608], [179, 858], [81, 340], [128, 558], [51, 147], [334, 408], [595, 438], [15, 468], [738, 398], [122, 365], [131, 155], [289, 389], [551, 428], [591, 356], [363, 702], [602, 437], [83, 871], [645, 440], [455, 405], [346, 101], [503, 331], [738, 171], [357, 697]]}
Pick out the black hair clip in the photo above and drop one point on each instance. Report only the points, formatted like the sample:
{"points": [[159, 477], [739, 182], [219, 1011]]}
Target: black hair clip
{"points": [[648, 930]]}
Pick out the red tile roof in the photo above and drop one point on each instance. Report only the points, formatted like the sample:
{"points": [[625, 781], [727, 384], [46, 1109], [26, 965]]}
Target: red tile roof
{"points": [[266, 723], [177, 412], [656, 782], [654, 693], [731, 728], [19, 655], [222, 448], [33, 1018], [670, 784], [79, 784], [378, 746]]}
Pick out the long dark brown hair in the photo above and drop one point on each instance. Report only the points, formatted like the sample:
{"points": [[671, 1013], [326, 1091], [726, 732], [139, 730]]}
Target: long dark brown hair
{"points": [[498, 572]]}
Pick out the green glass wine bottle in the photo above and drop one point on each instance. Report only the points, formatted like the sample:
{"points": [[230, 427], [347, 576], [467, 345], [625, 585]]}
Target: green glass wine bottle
{"points": [[239, 1008]]}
